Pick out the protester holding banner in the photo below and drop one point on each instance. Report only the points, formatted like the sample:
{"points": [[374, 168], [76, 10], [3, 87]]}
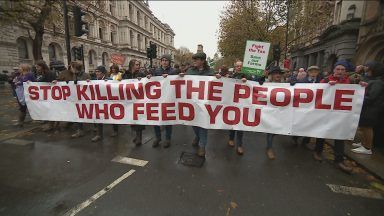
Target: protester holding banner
{"points": [[24, 76], [313, 76], [275, 77], [200, 68], [339, 76], [101, 75], [115, 73], [133, 72], [75, 73], [232, 133], [373, 107], [164, 70], [45, 75]]}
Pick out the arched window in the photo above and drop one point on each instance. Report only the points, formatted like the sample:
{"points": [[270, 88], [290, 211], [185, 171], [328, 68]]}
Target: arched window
{"points": [[22, 47], [91, 57], [55, 52], [104, 58], [351, 12], [51, 52]]}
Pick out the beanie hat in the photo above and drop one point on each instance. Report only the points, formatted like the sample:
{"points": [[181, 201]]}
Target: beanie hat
{"points": [[101, 69], [275, 69], [167, 56]]}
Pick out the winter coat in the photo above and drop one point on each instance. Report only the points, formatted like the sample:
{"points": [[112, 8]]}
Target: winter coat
{"points": [[67, 75], [309, 80], [338, 80], [19, 88], [49, 76], [204, 72], [129, 75], [373, 105], [160, 71], [117, 76]]}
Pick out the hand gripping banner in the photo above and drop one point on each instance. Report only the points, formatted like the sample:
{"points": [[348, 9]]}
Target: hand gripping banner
{"points": [[313, 110]]}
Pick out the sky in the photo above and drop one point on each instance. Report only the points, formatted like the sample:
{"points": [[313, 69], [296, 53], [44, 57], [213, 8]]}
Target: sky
{"points": [[194, 22]]}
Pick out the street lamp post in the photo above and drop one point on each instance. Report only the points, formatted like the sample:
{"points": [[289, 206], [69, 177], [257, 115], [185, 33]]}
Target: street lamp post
{"points": [[66, 27]]}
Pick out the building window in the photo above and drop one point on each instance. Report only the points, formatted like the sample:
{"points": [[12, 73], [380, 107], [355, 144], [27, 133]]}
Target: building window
{"points": [[51, 52], [23, 48], [91, 57], [104, 58], [101, 33], [131, 36], [138, 18], [112, 39], [138, 41], [130, 12], [351, 12]]}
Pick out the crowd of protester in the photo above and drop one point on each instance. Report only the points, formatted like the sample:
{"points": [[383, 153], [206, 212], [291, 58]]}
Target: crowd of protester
{"points": [[370, 76]]}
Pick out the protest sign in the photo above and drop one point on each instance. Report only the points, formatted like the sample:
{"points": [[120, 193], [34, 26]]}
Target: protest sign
{"points": [[117, 59], [314, 110], [255, 57]]}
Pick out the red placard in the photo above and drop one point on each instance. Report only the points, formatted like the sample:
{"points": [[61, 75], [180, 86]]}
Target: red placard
{"points": [[117, 59]]}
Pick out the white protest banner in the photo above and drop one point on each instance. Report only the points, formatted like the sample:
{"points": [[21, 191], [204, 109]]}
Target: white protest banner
{"points": [[314, 110], [255, 57]]}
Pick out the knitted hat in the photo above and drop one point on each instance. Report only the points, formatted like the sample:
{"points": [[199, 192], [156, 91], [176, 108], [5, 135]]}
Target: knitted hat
{"points": [[101, 69]]}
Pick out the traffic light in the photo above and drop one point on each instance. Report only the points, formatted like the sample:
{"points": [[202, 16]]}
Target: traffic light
{"points": [[78, 52], [149, 52], [80, 25], [276, 52], [152, 51], [153, 48]]}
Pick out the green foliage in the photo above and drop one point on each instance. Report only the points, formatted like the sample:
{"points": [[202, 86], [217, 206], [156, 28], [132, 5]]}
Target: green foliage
{"points": [[250, 20]]}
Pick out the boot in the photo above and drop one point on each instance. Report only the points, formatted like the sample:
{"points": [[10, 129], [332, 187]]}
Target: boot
{"points": [[138, 138], [195, 142], [156, 143], [343, 167], [231, 143], [270, 154], [240, 150], [78, 134], [167, 144], [20, 122], [96, 138], [201, 152]]}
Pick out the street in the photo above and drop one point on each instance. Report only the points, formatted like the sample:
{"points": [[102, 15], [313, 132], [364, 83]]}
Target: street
{"points": [[57, 175]]}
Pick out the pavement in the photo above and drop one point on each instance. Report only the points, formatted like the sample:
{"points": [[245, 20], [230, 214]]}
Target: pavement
{"points": [[63, 176], [374, 163]]}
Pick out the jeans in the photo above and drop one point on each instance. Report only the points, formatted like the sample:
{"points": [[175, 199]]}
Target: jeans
{"points": [[338, 149], [269, 140], [201, 135], [168, 132], [239, 137]]}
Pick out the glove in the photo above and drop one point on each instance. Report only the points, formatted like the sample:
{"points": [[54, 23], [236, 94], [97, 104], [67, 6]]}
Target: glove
{"points": [[261, 80]]}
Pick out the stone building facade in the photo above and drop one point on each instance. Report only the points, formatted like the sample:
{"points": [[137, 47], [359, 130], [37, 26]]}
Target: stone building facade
{"points": [[115, 27], [349, 36]]}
